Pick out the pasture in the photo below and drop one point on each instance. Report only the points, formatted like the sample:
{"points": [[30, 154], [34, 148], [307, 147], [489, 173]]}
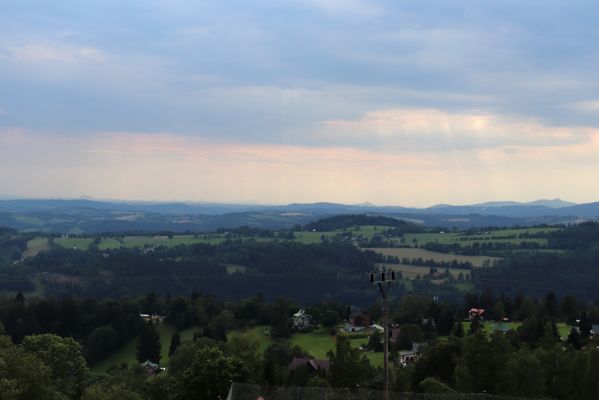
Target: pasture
{"points": [[81, 243], [411, 253], [365, 231], [36, 245], [412, 271], [319, 343], [512, 236]]}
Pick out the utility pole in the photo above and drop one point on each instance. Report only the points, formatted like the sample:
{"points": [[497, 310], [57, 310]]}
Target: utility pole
{"points": [[384, 284]]}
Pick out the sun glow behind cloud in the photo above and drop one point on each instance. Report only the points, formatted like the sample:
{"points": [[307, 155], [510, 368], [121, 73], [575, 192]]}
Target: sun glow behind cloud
{"points": [[305, 100]]}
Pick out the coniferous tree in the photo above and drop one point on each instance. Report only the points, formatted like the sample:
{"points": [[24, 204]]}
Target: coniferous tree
{"points": [[551, 305], [475, 326], [574, 338], [148, 346], [175, 342], [458, 330], [375, 343], [585, 325]]}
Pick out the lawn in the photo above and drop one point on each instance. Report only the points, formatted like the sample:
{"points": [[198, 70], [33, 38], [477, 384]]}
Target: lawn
{"points": [[319, 343], [411, 253]]}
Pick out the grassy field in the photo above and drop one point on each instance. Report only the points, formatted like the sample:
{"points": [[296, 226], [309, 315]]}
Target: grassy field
{"points": [[319, 343], [412, 271], [316, 343], [562, 328], [126, 354], [35, 245], [109, 244], [410, 253], [81, 243], [366, 231], [498, 236], [232, 268], [259, 334]]}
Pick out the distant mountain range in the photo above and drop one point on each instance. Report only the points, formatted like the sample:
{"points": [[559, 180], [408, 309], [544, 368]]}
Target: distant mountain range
{"points": [[92, 216]]}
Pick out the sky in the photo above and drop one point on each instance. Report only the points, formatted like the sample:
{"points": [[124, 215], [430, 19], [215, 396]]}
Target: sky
{"points": [[407, 103]]}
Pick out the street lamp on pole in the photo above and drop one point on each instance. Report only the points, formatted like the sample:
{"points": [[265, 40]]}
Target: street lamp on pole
{"points": [[383, 280]]}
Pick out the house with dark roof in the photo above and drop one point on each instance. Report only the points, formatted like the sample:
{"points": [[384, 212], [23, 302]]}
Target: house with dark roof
{"points": [[301, 320], [311, 363], [150, 368], [361, 319]]}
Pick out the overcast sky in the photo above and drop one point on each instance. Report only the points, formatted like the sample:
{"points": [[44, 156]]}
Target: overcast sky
{"points": [[394, 102]]}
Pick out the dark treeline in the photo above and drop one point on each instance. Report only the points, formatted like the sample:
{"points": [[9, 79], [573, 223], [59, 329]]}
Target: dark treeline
{"points": [[303, 271], [51, 342], [12, 245], [421, 262], [350, 221], [574, 270]]}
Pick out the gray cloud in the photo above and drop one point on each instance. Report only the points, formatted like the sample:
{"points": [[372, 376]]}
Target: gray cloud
{"points": [[273, 72]]}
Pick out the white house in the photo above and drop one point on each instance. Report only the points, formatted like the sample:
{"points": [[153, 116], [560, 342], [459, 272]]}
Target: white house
{"points": [[301, 320]]}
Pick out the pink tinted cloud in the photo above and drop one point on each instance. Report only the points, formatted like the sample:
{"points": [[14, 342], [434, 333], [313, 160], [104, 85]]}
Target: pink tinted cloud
{"points": [[168, 166]]}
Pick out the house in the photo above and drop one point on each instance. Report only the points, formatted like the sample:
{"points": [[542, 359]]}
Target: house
{"points": [[476, 313], [407, 357], [152, 317], [360, 319], [311, 363], [301, 320], [149, 367]]}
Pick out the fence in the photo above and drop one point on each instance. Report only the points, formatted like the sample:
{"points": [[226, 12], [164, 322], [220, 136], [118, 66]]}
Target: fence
{"points": [[240, 391]]}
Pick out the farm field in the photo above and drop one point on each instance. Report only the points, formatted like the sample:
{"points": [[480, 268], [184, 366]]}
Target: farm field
{"points": [[412, 271], [109, 243], [34, 246], [497, 236], [81, 243], [366, 231], [410, 253]]}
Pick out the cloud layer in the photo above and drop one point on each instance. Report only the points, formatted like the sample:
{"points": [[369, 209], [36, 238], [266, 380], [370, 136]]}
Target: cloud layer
{"points": [[276, 101]]}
